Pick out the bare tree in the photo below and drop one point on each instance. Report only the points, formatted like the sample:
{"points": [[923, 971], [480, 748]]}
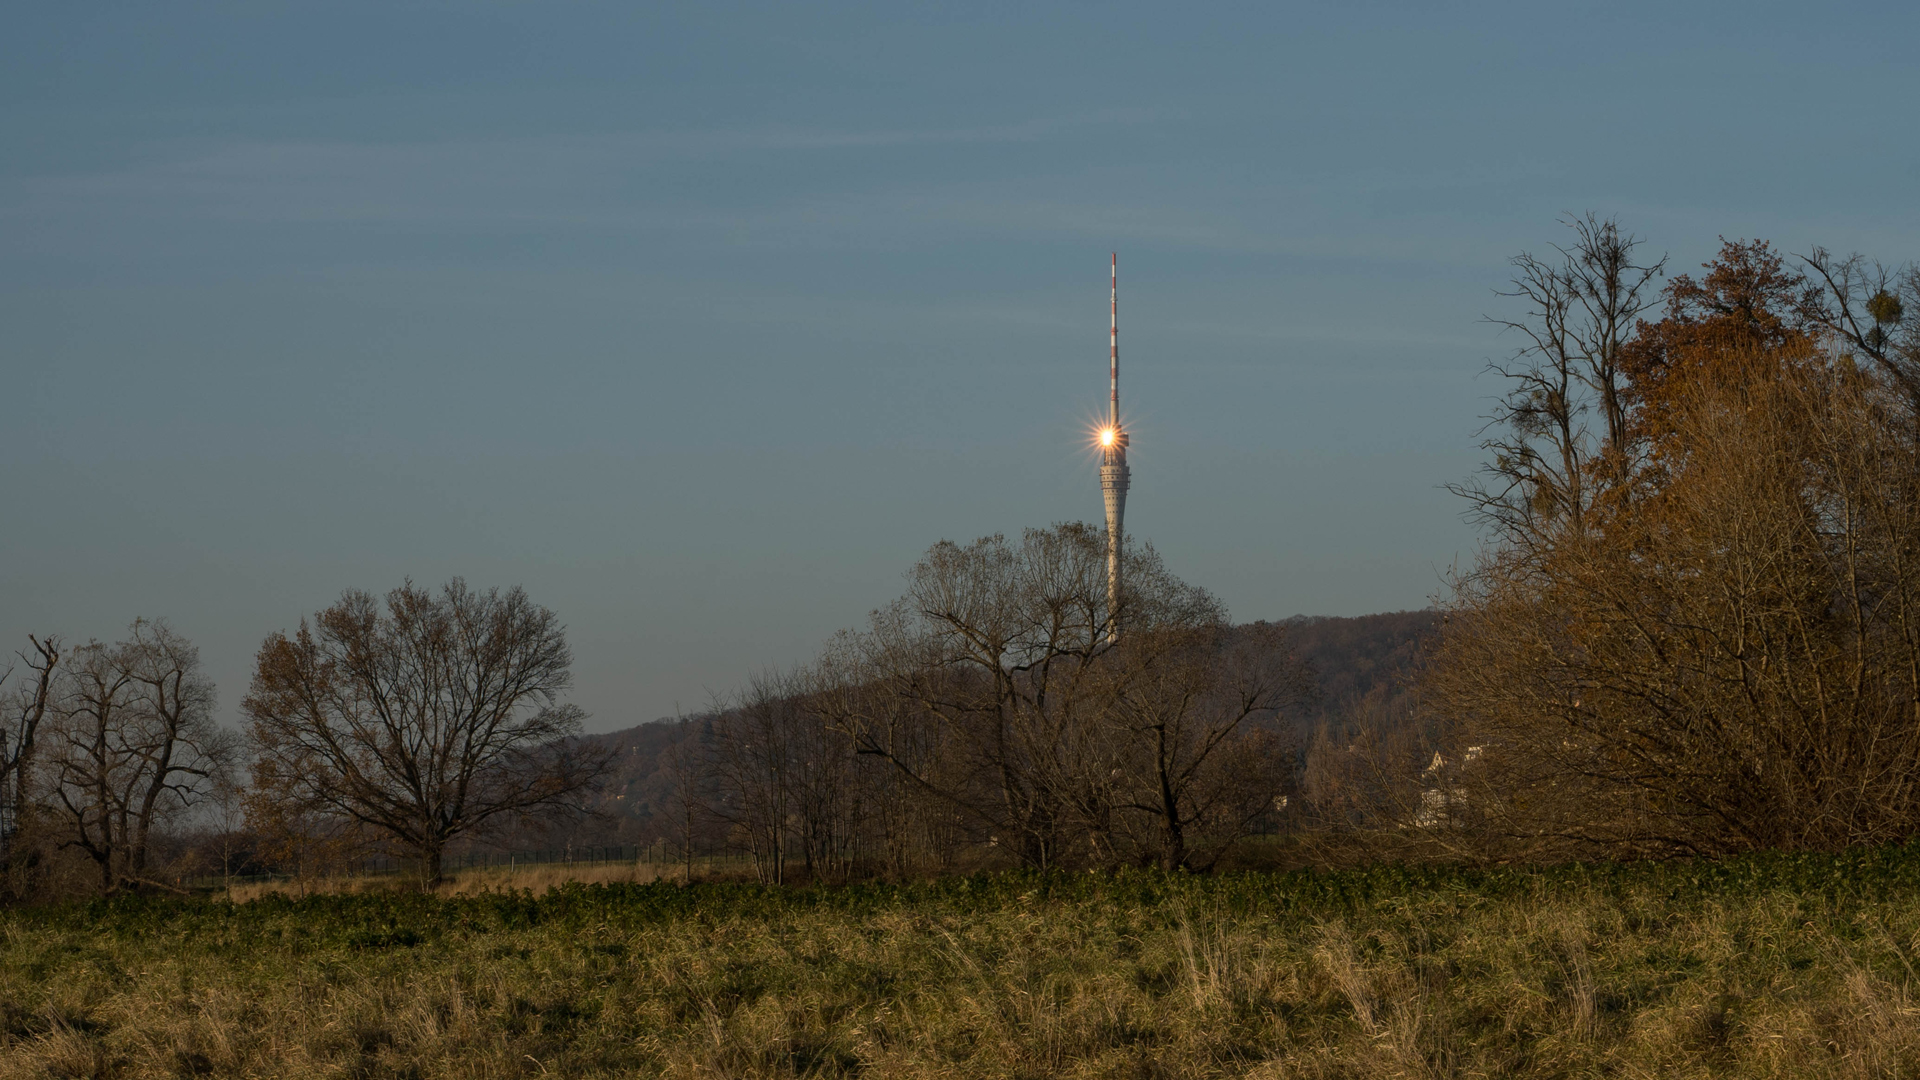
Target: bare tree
{"points": [[423, 719], [94, 772], [757, 752], [1192, 714], [25, 708], [185, 756], [135, 745], [994, 646], [995, 691], [688, 767], [1610, 290], [1581, 311], [863, 686], [788, 782], [1875, 309]]}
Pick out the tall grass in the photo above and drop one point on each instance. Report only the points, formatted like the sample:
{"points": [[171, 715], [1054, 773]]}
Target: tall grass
{"points": [[1768, 966]]}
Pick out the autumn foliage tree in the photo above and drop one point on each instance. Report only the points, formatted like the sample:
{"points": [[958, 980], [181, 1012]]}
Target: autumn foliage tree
{"points": [[1725, 653], [1749, 321]]}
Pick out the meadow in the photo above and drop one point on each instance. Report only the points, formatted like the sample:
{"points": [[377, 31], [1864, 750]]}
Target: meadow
{"points": [[1770, 965]]}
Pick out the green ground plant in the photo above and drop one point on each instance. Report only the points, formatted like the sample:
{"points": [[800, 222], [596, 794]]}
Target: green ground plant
{"points": [[1769, 965]]}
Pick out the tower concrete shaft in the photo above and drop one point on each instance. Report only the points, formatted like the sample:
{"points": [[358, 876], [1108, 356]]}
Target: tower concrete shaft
{"points": [[1114, 474]]}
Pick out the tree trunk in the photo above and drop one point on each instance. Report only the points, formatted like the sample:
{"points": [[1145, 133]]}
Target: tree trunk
{"points": [[1173, 838]]}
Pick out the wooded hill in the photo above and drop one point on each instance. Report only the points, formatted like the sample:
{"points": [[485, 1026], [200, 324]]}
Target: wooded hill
{"points": [[1358, 663]]}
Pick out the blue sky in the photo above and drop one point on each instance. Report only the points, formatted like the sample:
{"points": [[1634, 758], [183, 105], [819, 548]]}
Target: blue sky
{"points": [[704, 322]]}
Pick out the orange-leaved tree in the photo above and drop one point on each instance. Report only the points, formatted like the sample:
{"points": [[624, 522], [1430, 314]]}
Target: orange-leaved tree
{"points": [[1726, 655]]}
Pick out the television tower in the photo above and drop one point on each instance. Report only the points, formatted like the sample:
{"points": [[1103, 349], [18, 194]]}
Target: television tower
{"points": [[1114, 474]]}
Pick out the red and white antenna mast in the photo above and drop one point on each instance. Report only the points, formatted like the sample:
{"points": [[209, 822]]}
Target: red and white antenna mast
{"points": [[1113, 350]]}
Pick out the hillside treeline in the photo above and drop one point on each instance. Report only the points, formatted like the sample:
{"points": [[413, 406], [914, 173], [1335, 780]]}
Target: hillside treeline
{"points": [[1002, 709], [718, 780], [996, 715]]}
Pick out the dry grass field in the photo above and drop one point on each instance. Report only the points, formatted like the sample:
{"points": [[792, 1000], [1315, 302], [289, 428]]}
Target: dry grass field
{"points": [[477, 881], [1777, 966]]}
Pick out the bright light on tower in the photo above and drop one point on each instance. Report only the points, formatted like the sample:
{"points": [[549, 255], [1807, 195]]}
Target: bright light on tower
{"points": [[1106, 436]]}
